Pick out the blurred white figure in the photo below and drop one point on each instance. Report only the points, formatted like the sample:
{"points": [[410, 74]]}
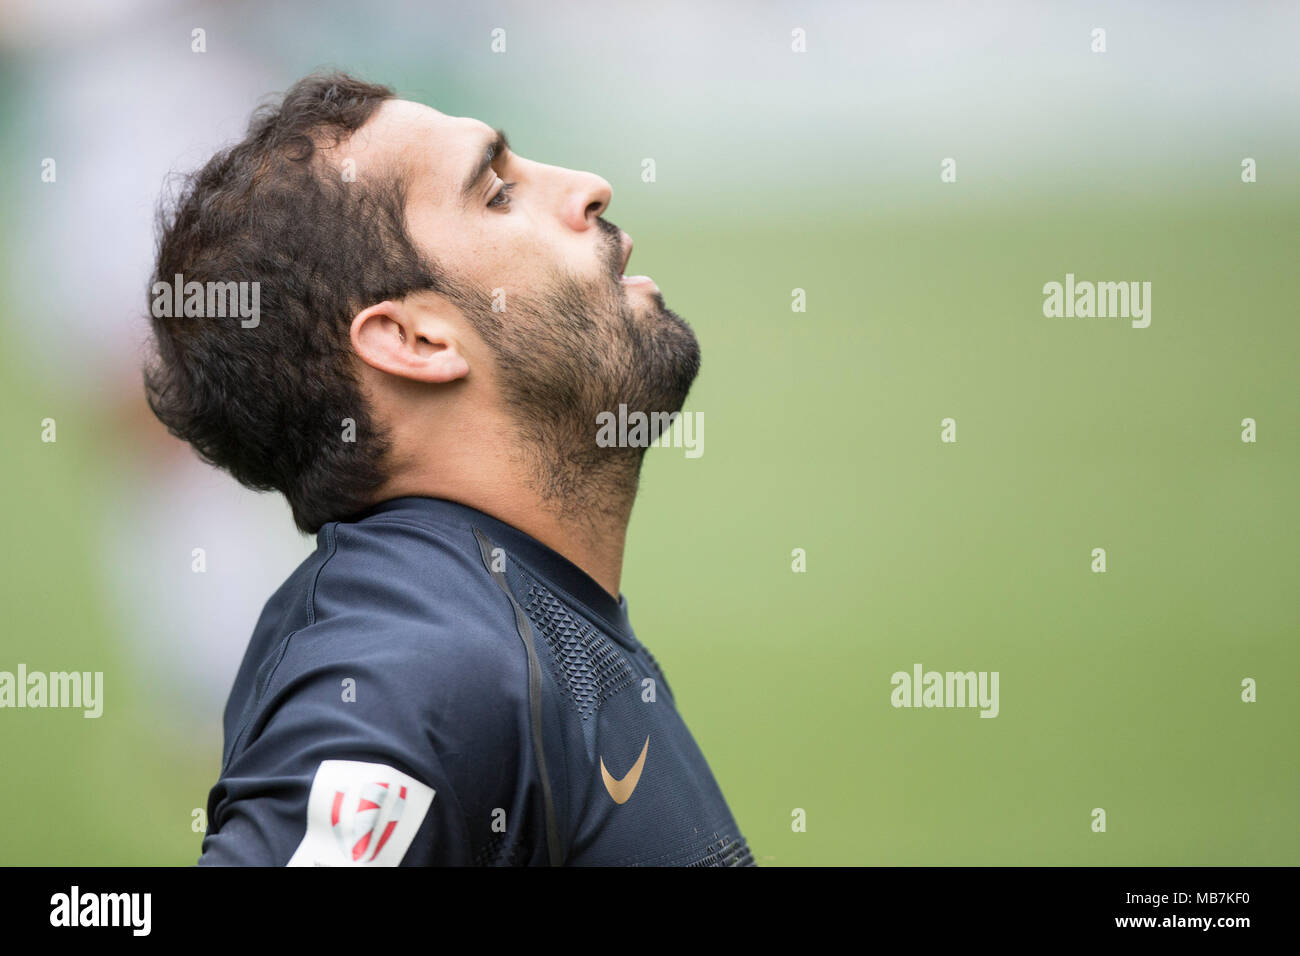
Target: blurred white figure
{"points": [[129, 103]]}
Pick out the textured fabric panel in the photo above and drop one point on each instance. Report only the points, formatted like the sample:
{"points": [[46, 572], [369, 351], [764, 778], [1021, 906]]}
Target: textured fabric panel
{"points": [[719, 849], [734, 852], [588, 666], [501, 849]]}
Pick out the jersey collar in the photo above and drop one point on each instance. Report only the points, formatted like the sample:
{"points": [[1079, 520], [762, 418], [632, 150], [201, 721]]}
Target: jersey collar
{"points": [[557, 570]]}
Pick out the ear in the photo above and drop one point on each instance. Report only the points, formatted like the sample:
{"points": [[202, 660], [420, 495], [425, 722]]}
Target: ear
{"points": [[408, 341]]}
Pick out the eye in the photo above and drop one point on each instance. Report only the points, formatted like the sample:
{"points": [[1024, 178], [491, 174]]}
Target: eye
{"points": [[502, 197]]}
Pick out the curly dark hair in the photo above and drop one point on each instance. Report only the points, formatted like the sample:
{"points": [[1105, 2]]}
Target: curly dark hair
{"points": [[269, 403]]}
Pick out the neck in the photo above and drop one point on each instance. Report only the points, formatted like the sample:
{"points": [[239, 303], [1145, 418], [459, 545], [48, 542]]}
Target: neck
{"points": [[580, 512], [594, 542]]}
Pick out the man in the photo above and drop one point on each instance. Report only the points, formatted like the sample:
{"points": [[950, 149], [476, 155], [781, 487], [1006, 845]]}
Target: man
{"points": [[439, 323]]}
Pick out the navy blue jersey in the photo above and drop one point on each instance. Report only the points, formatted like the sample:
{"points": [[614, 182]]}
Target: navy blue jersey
{"points": [[433, 686]]}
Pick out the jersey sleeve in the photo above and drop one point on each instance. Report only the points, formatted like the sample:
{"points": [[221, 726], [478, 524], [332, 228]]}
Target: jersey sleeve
{"points": [[340, 762]]}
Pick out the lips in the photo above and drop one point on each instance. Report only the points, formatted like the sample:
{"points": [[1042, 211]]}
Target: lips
{"points": [[624, 278]]}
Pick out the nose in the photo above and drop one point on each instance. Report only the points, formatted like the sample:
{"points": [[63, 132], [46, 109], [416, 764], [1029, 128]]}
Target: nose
{"points": [[589, 196]]}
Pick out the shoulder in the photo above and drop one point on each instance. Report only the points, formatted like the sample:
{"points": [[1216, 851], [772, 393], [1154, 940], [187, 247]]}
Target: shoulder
{"points": [[404, 623]]}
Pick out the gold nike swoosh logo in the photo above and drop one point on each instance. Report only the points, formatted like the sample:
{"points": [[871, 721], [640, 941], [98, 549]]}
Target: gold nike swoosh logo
{"points": [[621, 790]]}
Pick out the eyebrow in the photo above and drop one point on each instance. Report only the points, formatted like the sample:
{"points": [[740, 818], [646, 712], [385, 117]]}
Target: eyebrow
{"points": [[495, 146]]}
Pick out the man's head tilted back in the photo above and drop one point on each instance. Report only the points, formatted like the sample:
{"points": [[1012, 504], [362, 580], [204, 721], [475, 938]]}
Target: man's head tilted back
{"points": [[437, 315]]}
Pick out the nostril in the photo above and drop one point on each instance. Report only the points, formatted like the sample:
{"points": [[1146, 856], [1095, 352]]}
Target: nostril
{"points": [[595, 208]]}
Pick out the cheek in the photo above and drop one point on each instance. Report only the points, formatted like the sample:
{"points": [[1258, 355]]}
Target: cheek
{"points": [[522, 254], [509, 255], [582, 255]]}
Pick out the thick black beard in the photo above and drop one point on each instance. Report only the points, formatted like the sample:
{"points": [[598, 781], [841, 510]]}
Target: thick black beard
{"points": [[576, 350]]}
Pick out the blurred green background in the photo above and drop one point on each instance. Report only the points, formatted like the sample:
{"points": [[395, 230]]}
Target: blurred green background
{"points": [[1119, 690]]}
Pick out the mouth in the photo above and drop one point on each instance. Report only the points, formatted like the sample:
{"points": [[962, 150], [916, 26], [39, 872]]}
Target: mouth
{"points": [[623, 277]]}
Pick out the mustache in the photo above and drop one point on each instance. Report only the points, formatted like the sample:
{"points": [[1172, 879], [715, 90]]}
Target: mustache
{"points": [[613, 251]]}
